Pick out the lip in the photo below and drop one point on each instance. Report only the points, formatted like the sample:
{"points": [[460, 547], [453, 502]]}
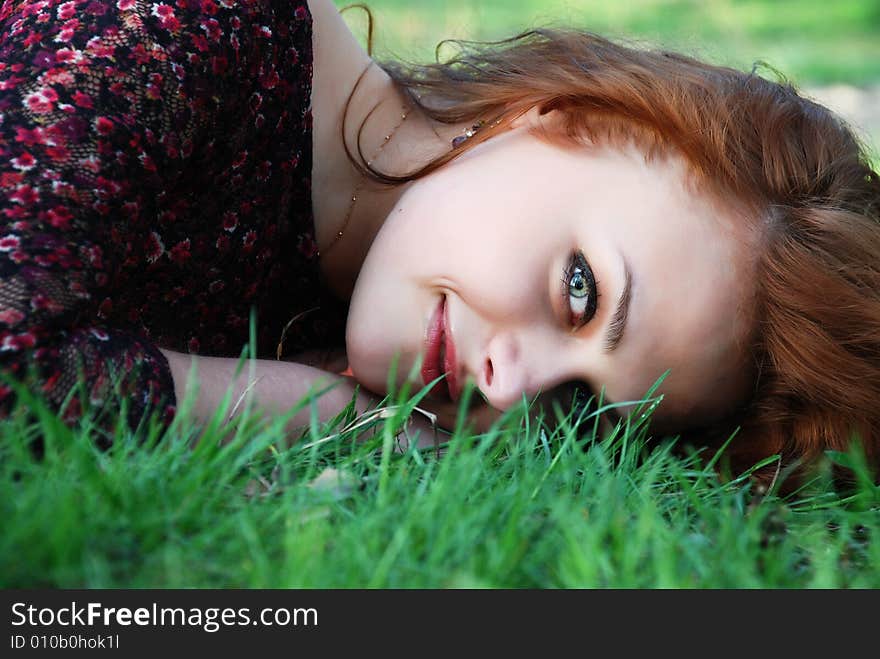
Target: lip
{"points": [[438, 340]]}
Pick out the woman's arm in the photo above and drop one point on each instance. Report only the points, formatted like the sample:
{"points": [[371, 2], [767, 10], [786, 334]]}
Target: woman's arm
{"points": [[276, 386]]}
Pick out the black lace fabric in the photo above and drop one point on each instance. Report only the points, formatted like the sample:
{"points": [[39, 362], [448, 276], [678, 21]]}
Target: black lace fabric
{"points": [[155, 186]]}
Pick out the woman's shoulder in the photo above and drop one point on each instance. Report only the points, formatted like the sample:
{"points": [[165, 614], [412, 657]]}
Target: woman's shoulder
{"points": [[338, 62]]}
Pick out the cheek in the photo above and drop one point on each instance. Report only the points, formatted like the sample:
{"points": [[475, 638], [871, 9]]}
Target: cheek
{"points": [[386, 320], [372, 336], [459, 210]]}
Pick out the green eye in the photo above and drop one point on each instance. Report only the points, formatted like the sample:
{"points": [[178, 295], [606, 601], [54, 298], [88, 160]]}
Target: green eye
{"points": [[577, 286], [579, 289]]}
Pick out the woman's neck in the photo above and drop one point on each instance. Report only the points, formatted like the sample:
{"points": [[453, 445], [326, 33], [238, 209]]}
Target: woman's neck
{"points": [[341, 66], [346, 201]]}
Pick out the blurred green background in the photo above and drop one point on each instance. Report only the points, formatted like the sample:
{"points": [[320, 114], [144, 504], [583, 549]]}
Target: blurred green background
{"points": [[829, 48], [815, 41]]}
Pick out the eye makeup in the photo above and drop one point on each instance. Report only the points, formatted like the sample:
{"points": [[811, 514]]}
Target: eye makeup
{"points": [[579, 290]]}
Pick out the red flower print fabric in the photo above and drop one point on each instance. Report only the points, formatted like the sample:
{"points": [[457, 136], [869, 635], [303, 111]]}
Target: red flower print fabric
{"points": [[155, 162]]}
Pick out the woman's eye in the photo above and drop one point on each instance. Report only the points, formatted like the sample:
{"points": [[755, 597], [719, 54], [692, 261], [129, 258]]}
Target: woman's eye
{"points": [[579, 290]]}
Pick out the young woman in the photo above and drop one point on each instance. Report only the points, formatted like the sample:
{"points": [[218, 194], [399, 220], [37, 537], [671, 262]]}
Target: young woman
{"points": [[553, 213]]}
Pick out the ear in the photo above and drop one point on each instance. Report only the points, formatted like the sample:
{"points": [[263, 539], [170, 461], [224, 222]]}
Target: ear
{"points": [[537, 116]]}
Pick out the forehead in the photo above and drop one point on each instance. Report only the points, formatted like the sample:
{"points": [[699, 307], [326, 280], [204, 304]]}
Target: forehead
{"points": [[690, 257]]}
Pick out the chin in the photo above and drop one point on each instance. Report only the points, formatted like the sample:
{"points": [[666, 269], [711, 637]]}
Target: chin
{"points": [[367, 368], [366, 376]]}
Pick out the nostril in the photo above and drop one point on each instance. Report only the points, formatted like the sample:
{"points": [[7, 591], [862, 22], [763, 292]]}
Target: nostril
{"points": [[490, 372]]}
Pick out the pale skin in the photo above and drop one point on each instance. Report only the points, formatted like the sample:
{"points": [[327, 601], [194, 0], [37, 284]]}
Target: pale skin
{"points": [[494, 235]]}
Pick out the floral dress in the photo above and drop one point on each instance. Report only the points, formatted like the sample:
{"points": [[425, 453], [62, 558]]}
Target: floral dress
{"points": [[154, 192]]}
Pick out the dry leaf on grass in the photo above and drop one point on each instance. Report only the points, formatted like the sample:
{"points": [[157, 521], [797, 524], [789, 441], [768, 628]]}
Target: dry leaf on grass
{"points": [[338, 483]]}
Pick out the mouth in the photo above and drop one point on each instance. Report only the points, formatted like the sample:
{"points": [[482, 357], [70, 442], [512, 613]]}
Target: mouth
{"points": [[440, 355]]}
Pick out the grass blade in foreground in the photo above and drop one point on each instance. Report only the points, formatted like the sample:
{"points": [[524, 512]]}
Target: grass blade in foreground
{"points": [[545, 508]]}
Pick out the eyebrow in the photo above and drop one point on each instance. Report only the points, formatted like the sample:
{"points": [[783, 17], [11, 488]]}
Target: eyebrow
{"points": [[621, 313]]}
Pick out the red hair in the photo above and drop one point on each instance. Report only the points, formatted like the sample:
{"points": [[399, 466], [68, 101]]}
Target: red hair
{"points": [[801, 172]]}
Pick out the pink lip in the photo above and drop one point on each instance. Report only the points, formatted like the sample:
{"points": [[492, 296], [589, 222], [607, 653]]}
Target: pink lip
{"points": [[436, 337], [450, 362]]}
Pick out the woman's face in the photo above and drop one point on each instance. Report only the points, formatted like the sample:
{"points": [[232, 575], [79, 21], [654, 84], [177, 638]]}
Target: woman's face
{"points": [[486, 270]]}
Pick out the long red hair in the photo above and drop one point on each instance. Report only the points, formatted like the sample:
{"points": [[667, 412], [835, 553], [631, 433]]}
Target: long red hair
{"points": [[799, 169]]}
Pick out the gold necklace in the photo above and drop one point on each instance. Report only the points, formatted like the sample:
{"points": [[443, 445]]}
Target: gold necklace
{"points": [[357, 189]]}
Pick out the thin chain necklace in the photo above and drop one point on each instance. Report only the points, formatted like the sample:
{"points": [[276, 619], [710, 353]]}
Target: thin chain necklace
{"points": [[456, 142], [357, 189]]}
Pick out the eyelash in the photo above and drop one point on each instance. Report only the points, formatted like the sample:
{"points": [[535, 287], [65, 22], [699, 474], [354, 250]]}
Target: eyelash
{"points": [[576, 262]]}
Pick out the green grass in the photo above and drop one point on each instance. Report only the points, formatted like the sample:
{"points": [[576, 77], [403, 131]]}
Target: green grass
{"points": [[521, 506], [811, 41]]}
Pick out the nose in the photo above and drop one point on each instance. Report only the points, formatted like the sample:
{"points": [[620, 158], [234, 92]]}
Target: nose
{"points": [[501, 377], [514, 365]]}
